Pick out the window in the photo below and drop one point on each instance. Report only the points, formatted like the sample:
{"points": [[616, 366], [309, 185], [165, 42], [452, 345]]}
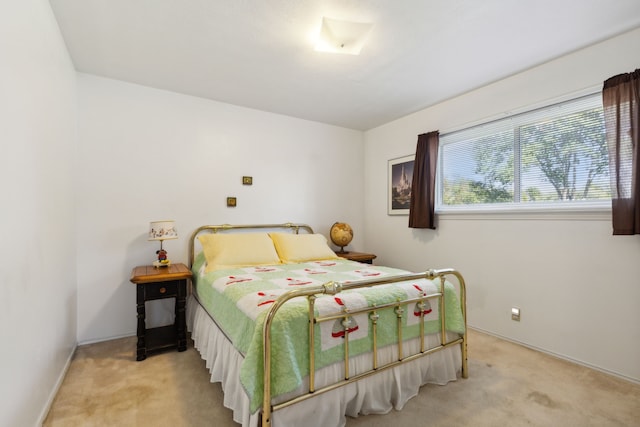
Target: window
{"points": [[553, 157]]}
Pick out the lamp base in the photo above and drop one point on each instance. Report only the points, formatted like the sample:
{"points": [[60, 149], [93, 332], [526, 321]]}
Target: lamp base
{"points": [[164, 263]]}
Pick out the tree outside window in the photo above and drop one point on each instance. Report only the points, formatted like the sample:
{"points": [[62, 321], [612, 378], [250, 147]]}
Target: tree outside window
{"points": [[558, 159]]}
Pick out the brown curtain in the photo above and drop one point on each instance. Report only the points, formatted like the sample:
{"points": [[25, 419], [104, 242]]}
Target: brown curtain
{"points": [[621, 100], [423, 186]]}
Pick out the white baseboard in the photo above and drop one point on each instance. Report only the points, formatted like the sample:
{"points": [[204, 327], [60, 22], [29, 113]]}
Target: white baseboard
{"points": [[559, 356], [105, 339], [56, 387]]}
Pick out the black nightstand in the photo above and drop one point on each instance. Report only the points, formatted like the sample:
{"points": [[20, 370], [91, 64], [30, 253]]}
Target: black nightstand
{"points": [[154, 283]]}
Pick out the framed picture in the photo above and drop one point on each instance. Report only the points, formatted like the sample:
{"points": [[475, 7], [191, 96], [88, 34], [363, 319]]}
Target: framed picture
{"points": [[400, 179]]}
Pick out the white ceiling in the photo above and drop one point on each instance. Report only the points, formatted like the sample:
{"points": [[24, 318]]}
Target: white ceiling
{"points": [[259, 54]]}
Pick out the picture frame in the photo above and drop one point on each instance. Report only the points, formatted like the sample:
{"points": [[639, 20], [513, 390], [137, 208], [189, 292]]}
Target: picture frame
{"points": [[400, 176], [231, 202]]}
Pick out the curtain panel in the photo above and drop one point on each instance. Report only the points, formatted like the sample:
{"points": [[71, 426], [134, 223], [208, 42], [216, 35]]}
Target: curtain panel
{"points": [[423, 186], [621, 102]]}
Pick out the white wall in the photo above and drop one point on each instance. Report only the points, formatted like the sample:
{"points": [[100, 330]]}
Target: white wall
{"points": [[147, 154], [38, 252], [577, 285]]}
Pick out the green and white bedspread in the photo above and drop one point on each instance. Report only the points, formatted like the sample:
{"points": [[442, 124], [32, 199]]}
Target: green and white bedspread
{"points": [[238, 299]]}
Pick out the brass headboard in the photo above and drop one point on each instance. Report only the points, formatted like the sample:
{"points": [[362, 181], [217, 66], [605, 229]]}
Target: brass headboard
{"points": [[294, 228]]}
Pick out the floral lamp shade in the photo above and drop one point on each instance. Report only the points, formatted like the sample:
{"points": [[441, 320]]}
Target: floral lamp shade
{"points": [[162, 230]]}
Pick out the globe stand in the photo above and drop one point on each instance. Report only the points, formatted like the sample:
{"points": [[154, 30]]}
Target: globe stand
{"points": [[342, 251]]}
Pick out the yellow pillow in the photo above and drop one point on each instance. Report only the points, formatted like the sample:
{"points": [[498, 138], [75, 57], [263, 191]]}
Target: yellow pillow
{"points": [[237, 250], [301, 247]]}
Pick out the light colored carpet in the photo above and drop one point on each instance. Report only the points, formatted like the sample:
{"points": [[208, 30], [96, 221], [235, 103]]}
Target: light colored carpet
{"points": [[508, 385]]}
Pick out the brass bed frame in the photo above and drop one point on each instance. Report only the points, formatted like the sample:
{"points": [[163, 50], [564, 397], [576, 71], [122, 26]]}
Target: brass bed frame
{"points": [[332, 288]]}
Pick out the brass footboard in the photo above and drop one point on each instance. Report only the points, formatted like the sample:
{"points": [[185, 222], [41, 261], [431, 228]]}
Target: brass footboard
{"points": [[333, 288]]}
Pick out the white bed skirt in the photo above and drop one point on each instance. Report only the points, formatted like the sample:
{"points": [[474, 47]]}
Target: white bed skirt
{"points": [[376, 394]]}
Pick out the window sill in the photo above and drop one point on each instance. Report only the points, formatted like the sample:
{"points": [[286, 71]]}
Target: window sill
{"points": [[587, 212]]}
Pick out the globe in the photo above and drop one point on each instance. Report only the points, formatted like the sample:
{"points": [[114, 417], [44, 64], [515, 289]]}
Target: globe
{"points": [[341, 235]]}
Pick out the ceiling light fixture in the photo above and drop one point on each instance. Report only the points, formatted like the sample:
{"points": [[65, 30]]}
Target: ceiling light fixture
{"points": [[342, 36]]}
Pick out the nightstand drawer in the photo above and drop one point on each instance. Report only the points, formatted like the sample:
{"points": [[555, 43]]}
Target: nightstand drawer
{"points": [[161, 290]]}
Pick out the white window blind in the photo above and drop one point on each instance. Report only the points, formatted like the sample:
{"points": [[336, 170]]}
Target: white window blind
{"points": [[548, 157]]}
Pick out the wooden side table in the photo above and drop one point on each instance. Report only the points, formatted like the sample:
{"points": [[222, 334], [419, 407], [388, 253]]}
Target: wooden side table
{"points": [[154, 283], [358, 256]]}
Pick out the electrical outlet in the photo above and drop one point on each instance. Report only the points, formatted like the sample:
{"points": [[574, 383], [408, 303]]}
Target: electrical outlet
{"points": [[515, 314]]}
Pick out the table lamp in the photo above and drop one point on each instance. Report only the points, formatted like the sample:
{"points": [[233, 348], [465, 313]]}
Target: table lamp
{"points": [[162, 230]]}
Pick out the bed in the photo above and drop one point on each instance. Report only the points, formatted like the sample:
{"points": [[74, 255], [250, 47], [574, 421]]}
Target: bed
{"points": [[296, 334]]}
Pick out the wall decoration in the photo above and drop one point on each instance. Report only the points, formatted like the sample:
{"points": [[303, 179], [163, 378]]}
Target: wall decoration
{"points": [[247, 180], [231, 202], [400, 179]]}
